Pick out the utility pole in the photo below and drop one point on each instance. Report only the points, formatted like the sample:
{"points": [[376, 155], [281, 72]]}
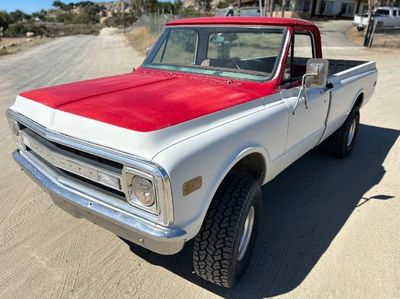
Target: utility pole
{"points": [[271, 11], [283, 8], [266, 7], [371, 4], [261, 8]]}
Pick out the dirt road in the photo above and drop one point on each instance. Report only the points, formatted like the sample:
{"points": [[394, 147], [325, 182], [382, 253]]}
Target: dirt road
{"points": [[330, 230]]}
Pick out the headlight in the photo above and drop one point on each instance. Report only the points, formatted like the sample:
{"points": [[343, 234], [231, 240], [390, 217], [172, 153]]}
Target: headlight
{"points": [[140, 189]]}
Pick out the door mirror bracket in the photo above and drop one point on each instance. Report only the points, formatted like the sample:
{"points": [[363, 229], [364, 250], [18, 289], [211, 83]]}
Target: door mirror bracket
{"points": [[316, 76]]}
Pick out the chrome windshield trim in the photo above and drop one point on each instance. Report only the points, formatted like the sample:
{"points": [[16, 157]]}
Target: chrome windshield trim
{"points": [[274, 74], [162, 177]]}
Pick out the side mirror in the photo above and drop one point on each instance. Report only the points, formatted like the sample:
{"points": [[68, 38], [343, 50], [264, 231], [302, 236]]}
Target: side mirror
{"points": [[317, 73], [147, 51], [316, 76]]}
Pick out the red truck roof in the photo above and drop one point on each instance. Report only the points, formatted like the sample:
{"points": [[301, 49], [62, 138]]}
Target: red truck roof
{"points": [[242, 21]]}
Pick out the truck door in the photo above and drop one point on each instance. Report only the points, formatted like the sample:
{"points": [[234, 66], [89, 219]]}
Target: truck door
{"points": [[306, 123]]}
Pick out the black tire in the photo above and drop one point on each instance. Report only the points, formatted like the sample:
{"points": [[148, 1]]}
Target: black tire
{"points": [[338, 144], [216, 246]]}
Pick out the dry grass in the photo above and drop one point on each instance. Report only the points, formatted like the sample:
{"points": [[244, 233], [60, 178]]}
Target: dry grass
{"points": [[21, 44], [357, 36], [60, 29], [383, 40], [141, 38]]}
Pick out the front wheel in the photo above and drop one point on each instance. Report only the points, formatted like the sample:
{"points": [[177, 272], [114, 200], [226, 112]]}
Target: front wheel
{"points": [[222, 249], [341, 143]]}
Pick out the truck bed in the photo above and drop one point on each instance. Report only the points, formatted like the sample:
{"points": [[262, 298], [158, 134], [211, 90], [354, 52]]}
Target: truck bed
{"points": [[338, 65], [349, 78]]}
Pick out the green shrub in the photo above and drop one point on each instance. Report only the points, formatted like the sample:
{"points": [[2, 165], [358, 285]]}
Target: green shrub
{"points": [[20, 29], [5, 20]]}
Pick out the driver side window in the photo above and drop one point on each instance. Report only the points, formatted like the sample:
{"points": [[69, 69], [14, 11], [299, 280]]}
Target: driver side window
{"points": [[301, 50]]}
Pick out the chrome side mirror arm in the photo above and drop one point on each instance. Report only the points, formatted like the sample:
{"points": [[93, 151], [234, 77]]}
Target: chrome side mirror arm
{"points": [[303, 89]]}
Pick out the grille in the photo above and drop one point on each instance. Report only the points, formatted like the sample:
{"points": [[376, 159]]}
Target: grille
{"points": [[55, 156]]}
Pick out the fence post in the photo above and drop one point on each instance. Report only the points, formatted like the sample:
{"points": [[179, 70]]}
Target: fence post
{"points": [[369, 30], [376, 24]]}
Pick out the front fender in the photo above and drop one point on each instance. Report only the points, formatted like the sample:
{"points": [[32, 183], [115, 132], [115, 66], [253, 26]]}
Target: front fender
{"points": [[213, 153]]}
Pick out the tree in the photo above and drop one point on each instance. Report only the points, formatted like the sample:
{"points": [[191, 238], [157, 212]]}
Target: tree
{"points": [[59, 5], [178, 6], [272, 8], [224, 3], [5, 20], [267, 4], [205, 5], [40, 15], [19, 16]]}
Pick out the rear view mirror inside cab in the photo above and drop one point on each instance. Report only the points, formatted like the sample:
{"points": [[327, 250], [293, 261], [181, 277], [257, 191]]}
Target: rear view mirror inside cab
{"points": [[217, 38]]}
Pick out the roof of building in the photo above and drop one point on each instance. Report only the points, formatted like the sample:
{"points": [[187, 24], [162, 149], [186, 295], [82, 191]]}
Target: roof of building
{"points": [[242, 21]]}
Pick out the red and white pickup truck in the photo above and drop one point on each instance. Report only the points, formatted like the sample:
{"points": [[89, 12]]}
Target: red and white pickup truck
{"points": [[179, 149]]}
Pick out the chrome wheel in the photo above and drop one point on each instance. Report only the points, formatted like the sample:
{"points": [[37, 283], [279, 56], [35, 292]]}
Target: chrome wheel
{"points": [[247, 232], [351, 132]]}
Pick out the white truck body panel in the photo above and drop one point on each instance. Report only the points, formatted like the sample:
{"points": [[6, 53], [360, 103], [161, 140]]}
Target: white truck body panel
{"points": [[266, 126], [210, 146], [262, 131]]}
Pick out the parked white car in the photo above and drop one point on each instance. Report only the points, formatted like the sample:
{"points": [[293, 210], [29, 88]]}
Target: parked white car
{"points": [[251, 11], [389, 16]]}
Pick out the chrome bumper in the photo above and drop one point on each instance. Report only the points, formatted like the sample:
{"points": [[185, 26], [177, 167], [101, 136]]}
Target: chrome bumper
{"points": [[146, 234]]}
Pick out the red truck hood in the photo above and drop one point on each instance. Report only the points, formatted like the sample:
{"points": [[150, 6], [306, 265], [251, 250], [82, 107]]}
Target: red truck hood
{"points": [[146, 100]]}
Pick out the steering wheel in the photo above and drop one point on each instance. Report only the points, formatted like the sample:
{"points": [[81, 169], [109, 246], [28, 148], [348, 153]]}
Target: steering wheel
{"points": [[253, 65], [235, 64]]}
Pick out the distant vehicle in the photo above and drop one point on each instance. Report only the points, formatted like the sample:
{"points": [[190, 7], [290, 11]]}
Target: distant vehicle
{"points": [[360, 21], [252, 11], [390, 16]]}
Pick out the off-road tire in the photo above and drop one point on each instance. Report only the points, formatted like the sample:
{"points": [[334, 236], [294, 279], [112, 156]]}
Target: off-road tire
{"points": [[338, 143], [216, 247]]}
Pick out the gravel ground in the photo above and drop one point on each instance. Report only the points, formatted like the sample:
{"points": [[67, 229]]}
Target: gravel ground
{"points": [[331, 228]]}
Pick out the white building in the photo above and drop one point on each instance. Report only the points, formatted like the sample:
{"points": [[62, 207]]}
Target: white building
{"points": [[308, 8], [329, 8], [341, 8]]}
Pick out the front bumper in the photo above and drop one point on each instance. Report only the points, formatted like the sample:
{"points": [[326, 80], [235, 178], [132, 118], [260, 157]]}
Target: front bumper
{"points": [[139, 231]]}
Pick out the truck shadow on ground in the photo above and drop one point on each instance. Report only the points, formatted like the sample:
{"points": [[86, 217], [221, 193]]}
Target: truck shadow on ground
{"points": [[304, 208]]}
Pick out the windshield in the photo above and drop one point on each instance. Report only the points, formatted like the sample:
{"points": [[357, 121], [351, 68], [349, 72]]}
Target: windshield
{"points": [[234, 52]]}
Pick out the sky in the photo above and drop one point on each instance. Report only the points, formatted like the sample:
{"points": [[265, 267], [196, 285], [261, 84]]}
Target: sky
{"points": [[27, 6], [30, 6]]}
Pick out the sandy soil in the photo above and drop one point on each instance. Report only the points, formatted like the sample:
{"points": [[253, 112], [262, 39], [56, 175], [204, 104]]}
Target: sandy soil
{"points": [[15, 40], [330, 230]]}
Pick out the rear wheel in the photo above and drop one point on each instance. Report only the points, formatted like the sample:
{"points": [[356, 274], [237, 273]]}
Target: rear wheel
{"points": [[223, 247], [341, 143]]}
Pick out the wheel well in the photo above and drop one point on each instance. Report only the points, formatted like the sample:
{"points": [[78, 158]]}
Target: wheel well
{"points": [[253, 165], [359, 100]]}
